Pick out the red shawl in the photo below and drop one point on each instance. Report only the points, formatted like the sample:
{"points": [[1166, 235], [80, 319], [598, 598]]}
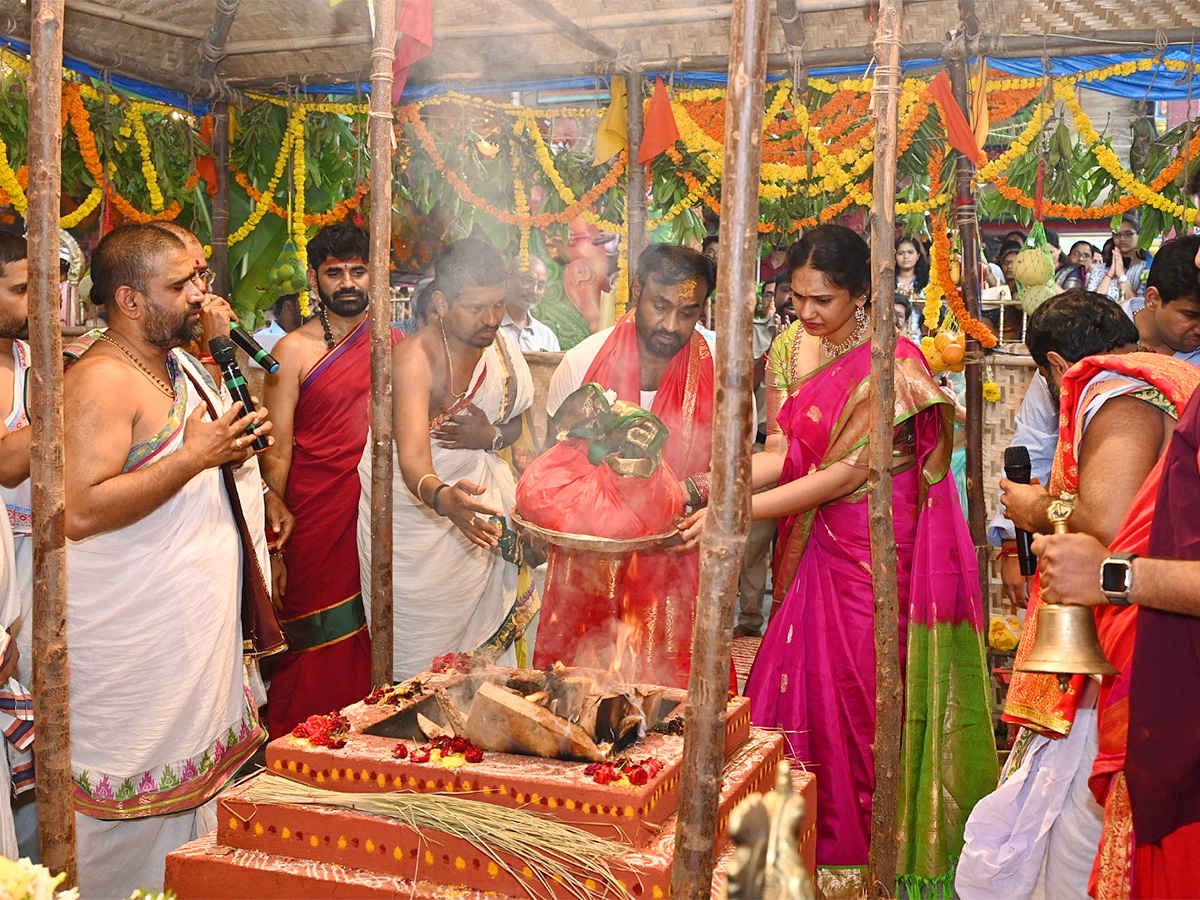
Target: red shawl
{"points": [[588, 595], [684, 401], [1034, 699]]}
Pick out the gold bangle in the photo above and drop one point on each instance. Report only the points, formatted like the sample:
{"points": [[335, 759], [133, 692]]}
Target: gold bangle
{"points": [[421, 482]]}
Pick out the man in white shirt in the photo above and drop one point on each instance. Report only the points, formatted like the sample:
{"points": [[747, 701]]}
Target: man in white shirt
{"points": [[525, 291]]}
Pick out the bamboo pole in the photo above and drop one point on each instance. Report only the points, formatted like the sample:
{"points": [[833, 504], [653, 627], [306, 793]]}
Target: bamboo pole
{"points": [[968, 229], [724, 540], [220, 203], [635, 184], [889, 684], [214, 42], [51, 689], [381, 140]]}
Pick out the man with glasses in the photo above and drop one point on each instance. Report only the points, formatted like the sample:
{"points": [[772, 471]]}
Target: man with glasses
{"points": [[526, 288]]}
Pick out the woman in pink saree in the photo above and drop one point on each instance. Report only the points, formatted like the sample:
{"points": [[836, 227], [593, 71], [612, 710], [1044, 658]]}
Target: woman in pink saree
{"points": [[814, 677]]}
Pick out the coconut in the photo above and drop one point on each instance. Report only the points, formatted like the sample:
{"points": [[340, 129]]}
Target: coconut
{"points": [[1033, 266], [1033, 297]]}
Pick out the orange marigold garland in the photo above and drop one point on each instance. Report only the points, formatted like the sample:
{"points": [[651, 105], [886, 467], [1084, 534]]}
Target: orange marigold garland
{"points": [[941, 283]]}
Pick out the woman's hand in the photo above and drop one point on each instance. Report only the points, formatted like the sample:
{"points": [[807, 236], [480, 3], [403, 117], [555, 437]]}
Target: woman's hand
{"points": [[1025, 504], [692, 527]]}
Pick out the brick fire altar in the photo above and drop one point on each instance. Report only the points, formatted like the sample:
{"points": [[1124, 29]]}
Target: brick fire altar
{"points": [[301, 850]]}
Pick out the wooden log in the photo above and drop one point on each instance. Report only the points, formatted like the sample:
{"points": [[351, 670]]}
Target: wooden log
{"points": [[724, 540], [968, 228], [889, 686], [51, 688], [504, 722], [635, 175], [220, 203], [382, 144]]}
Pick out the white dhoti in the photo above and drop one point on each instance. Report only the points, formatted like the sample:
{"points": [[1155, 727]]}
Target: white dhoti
{"points": [[1037, 834], [161, 717], [449, 595]]}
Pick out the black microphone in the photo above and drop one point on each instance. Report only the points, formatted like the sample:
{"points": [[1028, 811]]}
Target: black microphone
{"points": [[225, 356], [1019, 469], [253, 348]]}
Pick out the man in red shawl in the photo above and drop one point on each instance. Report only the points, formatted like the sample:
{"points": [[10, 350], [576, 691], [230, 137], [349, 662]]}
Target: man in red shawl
{"points": [[653, 357], [319, 401], [1062, 800]]}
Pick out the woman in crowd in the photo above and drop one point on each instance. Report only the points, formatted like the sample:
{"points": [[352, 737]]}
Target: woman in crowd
{"points": [[814, 677], [912, 269], [1119, 276]]}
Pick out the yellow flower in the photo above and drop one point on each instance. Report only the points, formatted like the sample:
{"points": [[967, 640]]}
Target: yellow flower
{"points": [[991, 391]]}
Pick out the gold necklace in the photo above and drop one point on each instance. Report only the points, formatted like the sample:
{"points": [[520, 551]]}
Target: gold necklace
{"points": [[158, 382], [450, 365], [832, 350]]}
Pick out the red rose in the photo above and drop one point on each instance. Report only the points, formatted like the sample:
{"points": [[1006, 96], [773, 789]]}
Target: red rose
{"points": [[335, 745], [591, 769], [400, 751], [637, 775], [458, 744], [315, 723], [474, 754], [420, 756], [300, 731]]}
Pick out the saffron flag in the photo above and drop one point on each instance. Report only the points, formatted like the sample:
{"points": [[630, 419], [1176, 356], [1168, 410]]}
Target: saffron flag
{"points": [[611, 134], [958, 130], [414, 29], [980, 120], [660, 131]]}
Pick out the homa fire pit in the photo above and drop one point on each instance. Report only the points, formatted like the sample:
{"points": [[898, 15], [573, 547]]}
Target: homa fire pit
{"points": [[542, 765]]}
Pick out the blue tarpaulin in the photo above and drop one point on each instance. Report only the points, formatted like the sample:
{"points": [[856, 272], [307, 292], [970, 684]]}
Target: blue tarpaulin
{"points": [[132, 85]]}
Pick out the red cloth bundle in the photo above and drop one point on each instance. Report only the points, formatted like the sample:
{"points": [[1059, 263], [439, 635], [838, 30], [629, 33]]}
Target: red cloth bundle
{"points": [[562, 490]]}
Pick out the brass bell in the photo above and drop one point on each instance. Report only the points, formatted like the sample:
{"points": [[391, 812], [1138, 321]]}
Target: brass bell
{"points": [[1066, 642]]}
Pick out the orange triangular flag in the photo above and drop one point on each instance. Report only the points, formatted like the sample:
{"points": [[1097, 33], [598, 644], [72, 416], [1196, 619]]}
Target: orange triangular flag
{"points": [[958, 130], [660, 131], [980, 119]]}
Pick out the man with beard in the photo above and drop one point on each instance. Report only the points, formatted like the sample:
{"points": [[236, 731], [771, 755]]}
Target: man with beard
{"points": [[462, 385], [320, 406], [1062, 801], [655, 358], [163, 521]]}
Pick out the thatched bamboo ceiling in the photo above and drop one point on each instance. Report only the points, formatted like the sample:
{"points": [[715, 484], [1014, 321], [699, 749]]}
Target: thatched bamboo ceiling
{"points": [[268, 43]]}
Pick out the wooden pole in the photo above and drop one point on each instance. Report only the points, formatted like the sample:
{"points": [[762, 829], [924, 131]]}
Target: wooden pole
{"points": [[51, 690], [381, 141], [968, 229], [889, 684], [214, 43], [635, 184], [220, 203], [724, 540]]}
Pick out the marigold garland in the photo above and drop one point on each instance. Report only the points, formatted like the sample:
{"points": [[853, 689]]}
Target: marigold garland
{"points": [[941, 283], [296, 222]]}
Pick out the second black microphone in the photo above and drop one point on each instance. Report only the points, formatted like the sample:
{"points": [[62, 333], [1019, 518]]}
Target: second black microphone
{"points": [[224, 354]]}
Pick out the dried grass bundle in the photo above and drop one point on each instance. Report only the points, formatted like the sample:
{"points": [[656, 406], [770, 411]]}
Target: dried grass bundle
{"points": [[553, 851]]}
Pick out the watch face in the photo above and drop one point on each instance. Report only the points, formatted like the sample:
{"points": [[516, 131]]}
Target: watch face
{"points": [[1114, 576]]}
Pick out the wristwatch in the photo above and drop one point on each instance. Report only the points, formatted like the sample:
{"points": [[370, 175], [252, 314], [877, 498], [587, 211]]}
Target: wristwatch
{"points": [[497, 438], [1116, 577], [1124, 279]]}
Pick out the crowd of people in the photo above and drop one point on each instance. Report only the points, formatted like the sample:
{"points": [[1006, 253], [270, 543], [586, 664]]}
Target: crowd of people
{"points": [[175, 527]]}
